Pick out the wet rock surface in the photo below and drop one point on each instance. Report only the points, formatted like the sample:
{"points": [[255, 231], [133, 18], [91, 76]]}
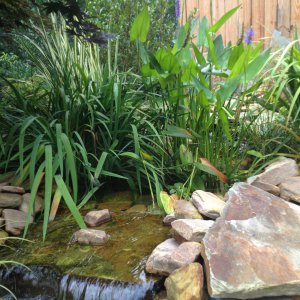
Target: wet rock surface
{"points": [[170, 256], [252, 250], [207, 204], [186, 283], [185, 210], [90, 237], [97, 217]]}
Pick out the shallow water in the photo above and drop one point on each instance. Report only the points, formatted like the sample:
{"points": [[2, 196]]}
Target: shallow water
{"points": [[122, 259]]}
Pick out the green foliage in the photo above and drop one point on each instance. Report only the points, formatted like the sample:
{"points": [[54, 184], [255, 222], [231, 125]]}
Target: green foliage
{"points": [[117, 17], [84, 124], [204, 86]]}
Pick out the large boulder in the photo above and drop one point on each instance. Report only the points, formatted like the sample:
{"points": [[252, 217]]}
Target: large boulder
{"points": [[9, 200], [253, 249], [169, 256], [185, 283], [15, 221], [290, 189], [185, 210], [90, 237], [208, 204], [97, 217], [277, 172], [191, 230]]}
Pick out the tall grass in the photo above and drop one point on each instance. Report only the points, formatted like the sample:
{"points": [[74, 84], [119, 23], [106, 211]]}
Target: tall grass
{"points": [[83, 125]]}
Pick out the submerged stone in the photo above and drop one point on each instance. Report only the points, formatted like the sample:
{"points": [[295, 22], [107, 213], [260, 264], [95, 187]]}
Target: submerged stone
{"points": [[138, 208], [90, 237], [169, 256], [253, 249], [186, 283], [97, 217]]}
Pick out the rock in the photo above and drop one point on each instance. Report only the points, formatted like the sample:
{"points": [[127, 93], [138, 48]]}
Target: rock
{"points": [[97, 217], [10, 200], [12, 189], [185, 283], [253, 249], [2, 221], [270, 188], [185, 210], [3, 237], [15, 221], [90, 237], [38, 204], [4, 183], [208, 204], [191, 230], [290, 189], [277, 172], [115, 206], [169, 256], [138, 208], [168, 219]]}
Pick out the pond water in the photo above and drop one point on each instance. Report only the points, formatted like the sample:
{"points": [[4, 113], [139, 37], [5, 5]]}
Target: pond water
{"points": [[71, 266]]}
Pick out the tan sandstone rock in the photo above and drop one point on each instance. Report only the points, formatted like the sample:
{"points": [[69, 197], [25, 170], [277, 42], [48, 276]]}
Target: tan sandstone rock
{"points": [[290, 189], [253, 249], [277, 172], [186, 283], [97, 217], [270, 188], [12, 189], [191, 230], [185, 210], [38, 204], [9, 200], [169, 256], [15, 221], [208, 204]]}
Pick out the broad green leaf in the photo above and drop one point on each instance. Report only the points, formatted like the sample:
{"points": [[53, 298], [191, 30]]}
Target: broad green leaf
{"points": [[69, 201], [168, 61], [167, 202], [223, 20], [255, 153], [203, 27], [177, 132], [186, 155], [140, 27]]}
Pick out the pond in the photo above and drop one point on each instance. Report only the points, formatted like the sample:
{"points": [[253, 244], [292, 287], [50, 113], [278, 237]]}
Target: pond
{"points": [[64, 265]]}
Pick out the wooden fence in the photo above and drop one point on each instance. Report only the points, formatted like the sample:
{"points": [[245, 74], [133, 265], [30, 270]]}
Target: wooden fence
{"points": [[263, 15]]}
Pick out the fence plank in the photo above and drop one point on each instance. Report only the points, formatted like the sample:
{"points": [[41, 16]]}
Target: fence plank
{"points": [[270, 19], [284, 16], [232, 24], [258, 18], [295, 13]]}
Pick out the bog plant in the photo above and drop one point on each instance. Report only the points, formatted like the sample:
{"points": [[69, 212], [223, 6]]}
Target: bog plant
{"points": [[205, 86]]}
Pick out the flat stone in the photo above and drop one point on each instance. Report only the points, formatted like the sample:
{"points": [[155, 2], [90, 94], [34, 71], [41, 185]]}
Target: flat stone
{"points": [[90, 237], [169, 256], [253, 249], [185, 210], [9, 200], [138, 208], [191, 230], [186, 283], [38, 204], [290, 189], [3, 237], [15, 221], [277, 172], [208, 204], [97, 217], [270, 188], [12, 189], [168, 219], [4, 183]]}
